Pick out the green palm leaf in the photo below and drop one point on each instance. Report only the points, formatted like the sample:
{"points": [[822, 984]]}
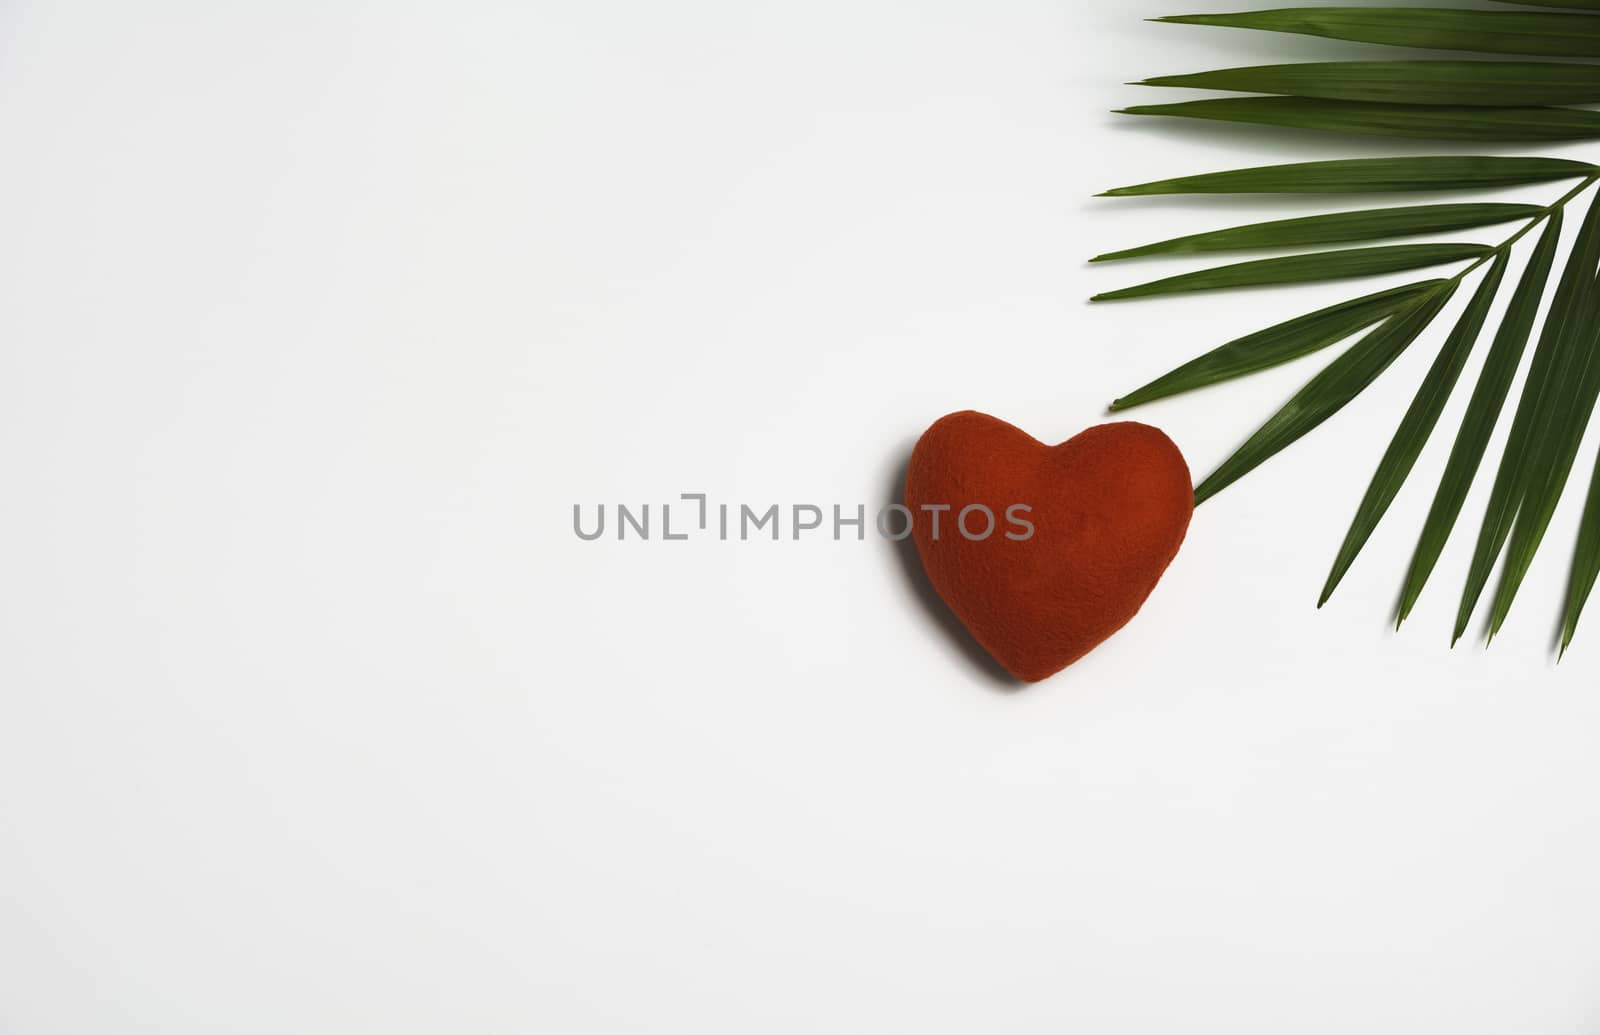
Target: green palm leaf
{"points": [[1442, 28], [1411, 121], [1328, 392], [1415, 427], [1494, 384], [1576, 385], [1581, 5], [1305, 269], [1278, 344], [1517, 463], [1369, 175], [1493, 84], [1585, 562], [1336, 228]]}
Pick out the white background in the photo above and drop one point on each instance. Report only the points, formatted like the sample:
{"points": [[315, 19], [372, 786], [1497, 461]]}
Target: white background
{"points": [[317, 319]]}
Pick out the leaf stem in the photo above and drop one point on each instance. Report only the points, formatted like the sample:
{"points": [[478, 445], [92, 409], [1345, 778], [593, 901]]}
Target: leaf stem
{"points": [[1505, 246]]}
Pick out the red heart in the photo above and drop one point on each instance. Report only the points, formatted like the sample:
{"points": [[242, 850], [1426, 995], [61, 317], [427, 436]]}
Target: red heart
{"points": [[1109, 509]]}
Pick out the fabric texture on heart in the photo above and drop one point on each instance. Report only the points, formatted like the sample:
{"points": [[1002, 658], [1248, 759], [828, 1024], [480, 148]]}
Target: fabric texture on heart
{"points": [[1109, 509]]}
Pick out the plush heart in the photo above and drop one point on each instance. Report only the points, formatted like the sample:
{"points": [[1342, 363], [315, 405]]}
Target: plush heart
{"points": [[1108, 511]]}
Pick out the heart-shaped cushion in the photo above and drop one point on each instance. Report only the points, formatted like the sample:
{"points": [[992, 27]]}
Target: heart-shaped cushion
{"points": [[1105, 514]]}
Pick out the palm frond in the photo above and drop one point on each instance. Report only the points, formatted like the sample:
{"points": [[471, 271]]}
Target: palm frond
{"points": [[1328, 392], [1490, 84], [1369, 176], [1336, 228], [1415, 427], [1429, 28], [1483, 411], [1442, 98], [1278, 344], [1410, 121], [1305, 269]]}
